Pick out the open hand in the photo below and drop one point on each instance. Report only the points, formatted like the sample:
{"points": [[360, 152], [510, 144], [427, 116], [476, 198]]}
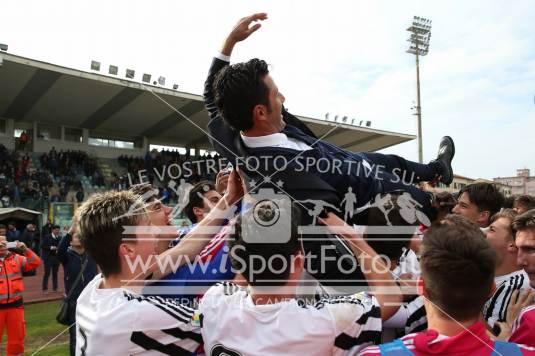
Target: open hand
{"points": [[243, 28]]}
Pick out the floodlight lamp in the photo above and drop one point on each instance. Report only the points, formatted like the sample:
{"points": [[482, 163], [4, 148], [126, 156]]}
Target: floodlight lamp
{"points": [[146, 78], [368, 123], [3, 47], [95, 65], [161, 81], [113, 70], [175, 86], [130, 73]]}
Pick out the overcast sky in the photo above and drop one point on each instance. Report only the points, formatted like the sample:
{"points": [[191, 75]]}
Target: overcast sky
{"points": [[343, 57]]}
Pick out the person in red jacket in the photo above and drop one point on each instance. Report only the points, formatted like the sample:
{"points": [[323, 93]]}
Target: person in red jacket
{"points": [[11, 287]]}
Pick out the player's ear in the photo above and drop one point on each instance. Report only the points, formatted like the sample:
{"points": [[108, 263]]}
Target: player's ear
{"points": [[420, 286]]}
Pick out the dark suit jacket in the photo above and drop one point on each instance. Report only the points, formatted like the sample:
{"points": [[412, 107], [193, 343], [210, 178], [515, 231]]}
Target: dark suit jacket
{"points": [[298, 183], [228, 143], [47, 242]]}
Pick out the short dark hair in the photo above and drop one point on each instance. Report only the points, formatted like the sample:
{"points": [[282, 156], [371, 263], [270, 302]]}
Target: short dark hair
{"points": [[2, 226], [486, 196], [244, 251], [196, 201], [238, 89], [55, 227], [390, 245], [525, 200], [457, 265], [525, 221], [100, 222]]}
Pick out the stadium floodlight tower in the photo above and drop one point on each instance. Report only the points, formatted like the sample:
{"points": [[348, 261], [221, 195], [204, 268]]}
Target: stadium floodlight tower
{"points": [[420, 34]]}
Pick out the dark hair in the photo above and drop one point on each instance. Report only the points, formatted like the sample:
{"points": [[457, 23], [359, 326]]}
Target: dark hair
{"points": [[390, 245], [525, 221], [509, 201], [457, 267], [253, 255], [2, 226], [55, 227], [486, 196], [525, 200], [196, 200], [238, 89]]}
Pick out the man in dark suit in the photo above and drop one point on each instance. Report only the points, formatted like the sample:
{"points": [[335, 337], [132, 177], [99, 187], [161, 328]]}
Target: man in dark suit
{"points": [[49, 253], [248, 120]]}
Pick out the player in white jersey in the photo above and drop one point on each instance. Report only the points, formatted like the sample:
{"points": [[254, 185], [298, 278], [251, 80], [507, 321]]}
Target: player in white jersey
{"points": [[265, 318], [112, 319], [508, 276]]}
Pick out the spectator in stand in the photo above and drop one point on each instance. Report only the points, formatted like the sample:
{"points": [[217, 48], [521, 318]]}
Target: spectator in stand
{"points": [[457, 277], [478, 202], [11, 288], [49, 253], [12, 233], [30, 237], [80, 195], [3, 230], [508, 276], [73, 256], [524, 203], [23, 140], [47, 228]]}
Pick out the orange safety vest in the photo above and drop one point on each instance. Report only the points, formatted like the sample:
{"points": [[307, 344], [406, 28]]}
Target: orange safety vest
{"points": [[11, 285]]}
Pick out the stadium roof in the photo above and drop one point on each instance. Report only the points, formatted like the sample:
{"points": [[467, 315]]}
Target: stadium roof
{"points": [[119, 108]]}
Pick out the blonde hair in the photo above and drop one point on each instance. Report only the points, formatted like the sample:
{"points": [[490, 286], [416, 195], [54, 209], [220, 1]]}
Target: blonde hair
{"points": [[100, 221]]}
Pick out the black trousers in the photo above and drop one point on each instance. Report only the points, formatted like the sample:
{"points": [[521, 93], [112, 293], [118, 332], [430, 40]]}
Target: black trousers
{"points": [[51, 265]]}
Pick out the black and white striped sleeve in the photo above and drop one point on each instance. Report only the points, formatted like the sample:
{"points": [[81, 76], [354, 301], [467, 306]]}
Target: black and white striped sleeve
{"points": [[165, 326], [495, 308], [357, 321]]}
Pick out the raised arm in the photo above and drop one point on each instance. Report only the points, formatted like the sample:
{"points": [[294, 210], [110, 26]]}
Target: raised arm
{"points": [[377, 274], [221, 134], [194, 242]]}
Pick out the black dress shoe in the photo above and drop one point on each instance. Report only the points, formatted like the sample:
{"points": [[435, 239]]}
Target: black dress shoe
{"points": [[446, 151]]}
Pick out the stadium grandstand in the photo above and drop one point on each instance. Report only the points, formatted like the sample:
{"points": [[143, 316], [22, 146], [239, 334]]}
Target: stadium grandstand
{"points": [[98, 128]]}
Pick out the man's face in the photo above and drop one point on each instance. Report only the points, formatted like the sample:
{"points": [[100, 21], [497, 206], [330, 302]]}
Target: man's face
{"points": [[159, 213], [499, 236], [75, 241], [145, 244], [3, 231], [276, 99], [11, 227], [469, 210], [520, 208], [210, 199], [55, 232], [525, 242]]}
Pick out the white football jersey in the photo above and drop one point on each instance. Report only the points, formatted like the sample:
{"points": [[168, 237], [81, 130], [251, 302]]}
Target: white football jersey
{"points": [[233, 325], [495, 308], [118, 322]]}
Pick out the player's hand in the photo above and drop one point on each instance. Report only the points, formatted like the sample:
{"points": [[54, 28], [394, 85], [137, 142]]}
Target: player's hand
{"points": [[519, 300], [221, 181], [243, 28], [235, 189]]}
